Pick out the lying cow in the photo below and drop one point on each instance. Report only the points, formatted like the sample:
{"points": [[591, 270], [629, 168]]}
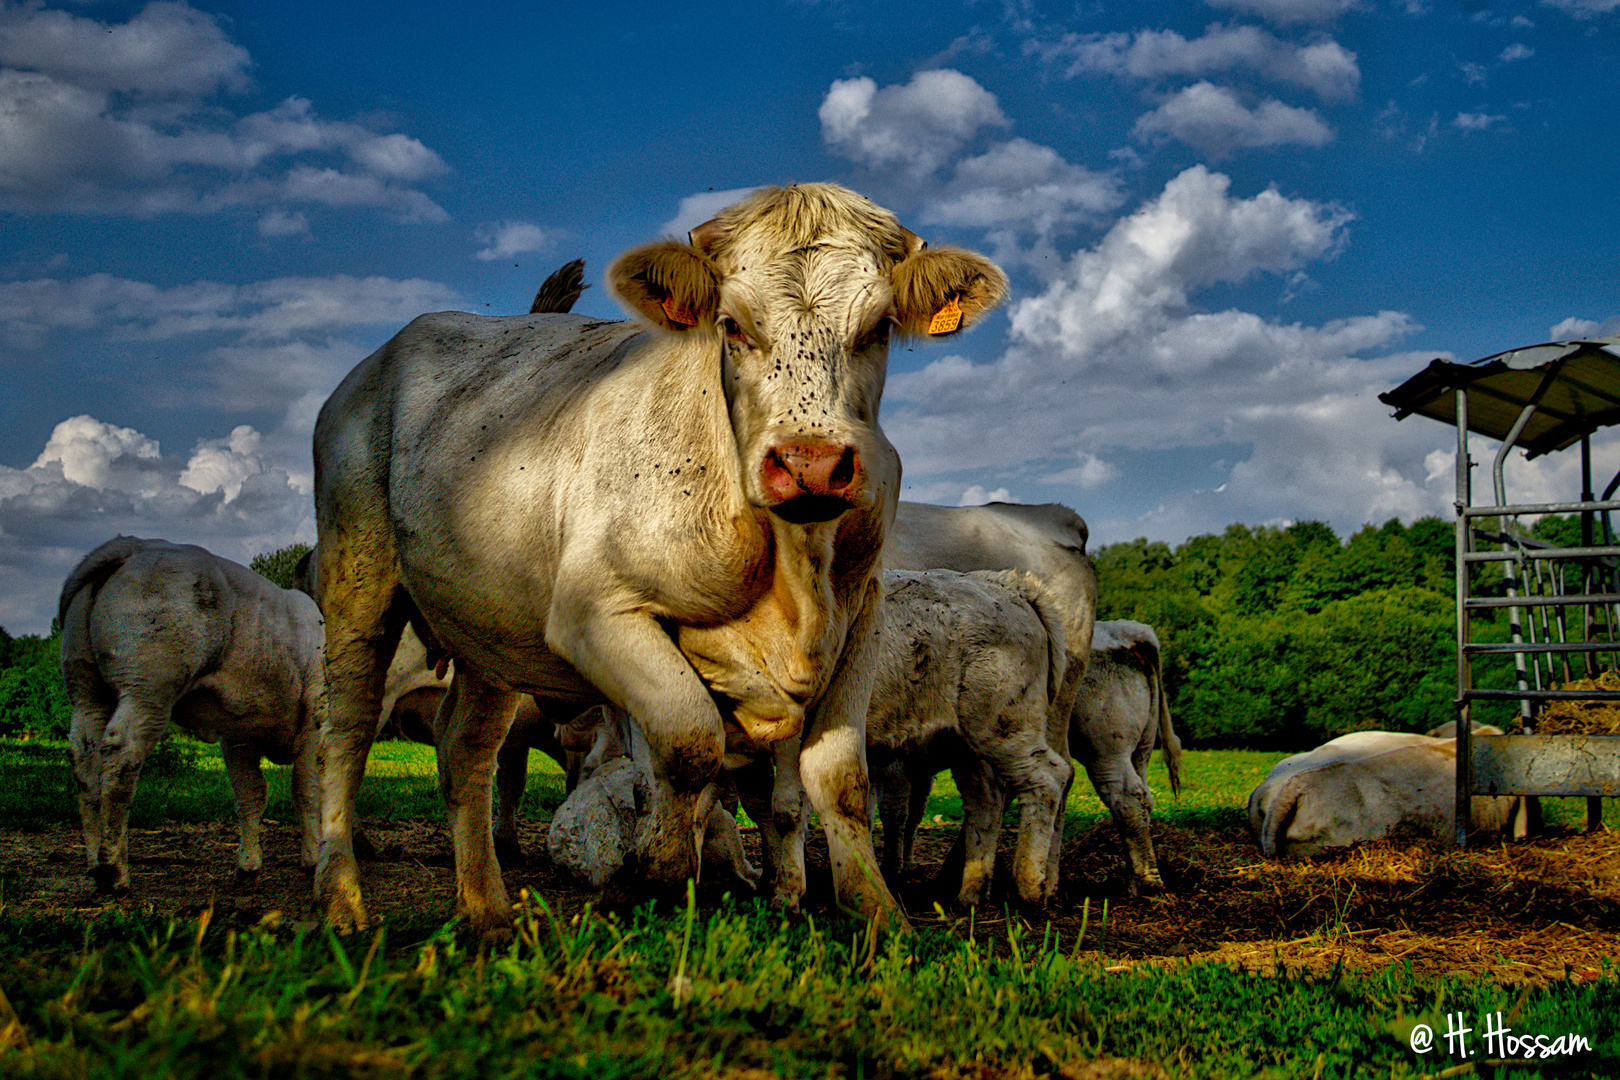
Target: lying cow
{"points": [[154, 631], [1047, 540], [968, 669], [557, 499], [594, 830], [1368, 785], [1119, 714]]}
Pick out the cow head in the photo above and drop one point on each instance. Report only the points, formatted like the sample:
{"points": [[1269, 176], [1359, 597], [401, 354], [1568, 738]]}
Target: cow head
{"points": [[800, 289]]}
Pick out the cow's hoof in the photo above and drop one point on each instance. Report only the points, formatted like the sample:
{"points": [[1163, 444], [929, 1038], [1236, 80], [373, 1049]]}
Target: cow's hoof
{"points": [[245, 874], [364, 849], [509, 853], [107, 880]]}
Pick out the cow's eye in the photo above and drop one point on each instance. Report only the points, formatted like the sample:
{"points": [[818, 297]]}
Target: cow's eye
{"points": [[733, 331], [878, 335]]}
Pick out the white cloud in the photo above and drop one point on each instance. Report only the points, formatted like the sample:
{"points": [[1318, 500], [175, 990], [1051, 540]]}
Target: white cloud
{"points": [[1572, 328], [1516, 51], [1584, 9], [120, 118], [94, 480], [1477, 121], [1290, 11], [914, 128], [694, 210], [1326, 68], [977, 496], [283, 223], [168, 49], [1114, 356], [1022, 192], [504, 239], [1212, 120]]}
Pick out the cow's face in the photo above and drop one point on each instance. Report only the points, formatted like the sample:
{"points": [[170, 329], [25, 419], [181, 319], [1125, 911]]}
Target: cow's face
{"points": [[800, 290]]}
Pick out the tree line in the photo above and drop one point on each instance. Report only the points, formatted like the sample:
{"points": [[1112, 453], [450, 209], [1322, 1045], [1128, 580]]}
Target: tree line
{"points": [[1274, 637]]}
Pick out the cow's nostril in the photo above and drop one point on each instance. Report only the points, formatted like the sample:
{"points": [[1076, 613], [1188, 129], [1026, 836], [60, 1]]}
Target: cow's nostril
{"points": [[844, 471]]}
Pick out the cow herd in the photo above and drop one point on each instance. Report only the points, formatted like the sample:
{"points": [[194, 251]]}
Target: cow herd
{"points": [[671, 553]]}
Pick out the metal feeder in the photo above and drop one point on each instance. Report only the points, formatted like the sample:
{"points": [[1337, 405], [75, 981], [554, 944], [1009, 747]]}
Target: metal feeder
{"points": [[1563, 602]]}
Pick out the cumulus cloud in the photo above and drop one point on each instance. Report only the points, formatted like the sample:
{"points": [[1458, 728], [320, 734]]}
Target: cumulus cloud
{"points": [[1573, 328], [977, 496], [167, 50], [694, 210], [1114, 356], [913, 129], [1290, 11], [1212, 120], [1584, 9], [504, 239], [1516, 51], [1325, 68], [94, 480], [1476, 121], [121, 118], [1025, 196]]}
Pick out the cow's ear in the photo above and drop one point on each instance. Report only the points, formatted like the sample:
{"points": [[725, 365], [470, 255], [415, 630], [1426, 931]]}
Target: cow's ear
{"points": [[673, 284], [942, 290]]}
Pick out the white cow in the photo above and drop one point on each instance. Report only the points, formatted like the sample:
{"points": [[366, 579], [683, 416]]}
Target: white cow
{"points": [[1047, 540], [1367, 785], [1119, 714], [154, 631], [554, 499], [969, 667]]}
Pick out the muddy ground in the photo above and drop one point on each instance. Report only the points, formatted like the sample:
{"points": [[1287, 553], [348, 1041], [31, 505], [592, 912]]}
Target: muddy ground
{"points": [[1523, 912]]}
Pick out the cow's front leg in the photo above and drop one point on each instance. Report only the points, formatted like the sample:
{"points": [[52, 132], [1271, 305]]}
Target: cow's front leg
{"points": [[477, 715], [634, 663], [248, 792], [306, 792]]}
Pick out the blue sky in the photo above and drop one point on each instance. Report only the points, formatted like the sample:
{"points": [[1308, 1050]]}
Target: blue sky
{"points": [[1229, 225]]}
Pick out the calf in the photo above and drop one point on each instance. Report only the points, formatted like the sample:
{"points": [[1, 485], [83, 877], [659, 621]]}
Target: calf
{"points": [[967, 671], [1364, 786], [153, 632], [1119, 714]]}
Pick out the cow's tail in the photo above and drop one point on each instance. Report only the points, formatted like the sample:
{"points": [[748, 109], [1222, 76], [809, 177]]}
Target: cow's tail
{"points": [[1169, 742], [1051, 611], [560, 290], [1280, 815], [94, 570]]}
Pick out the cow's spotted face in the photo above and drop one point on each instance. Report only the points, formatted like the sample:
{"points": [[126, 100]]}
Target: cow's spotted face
{"points": [[805, 342], [801, 288]]}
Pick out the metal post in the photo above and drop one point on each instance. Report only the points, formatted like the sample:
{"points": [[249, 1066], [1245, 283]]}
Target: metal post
{"points": [[1464, 674]]}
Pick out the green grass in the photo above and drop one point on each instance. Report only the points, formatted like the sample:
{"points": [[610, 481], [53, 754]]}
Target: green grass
{"points": [[185, 781], [689, 993]]}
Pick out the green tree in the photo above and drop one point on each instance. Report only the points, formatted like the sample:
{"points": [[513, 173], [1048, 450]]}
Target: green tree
{"points": [[278, 565], [33, 701]]}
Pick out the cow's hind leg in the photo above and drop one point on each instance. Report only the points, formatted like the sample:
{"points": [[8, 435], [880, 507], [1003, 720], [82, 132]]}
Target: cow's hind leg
{"points": [[130, 735], [478, 714], [91, 714], [1130, 803], [511, 778], [983, 801], [248, 792]]}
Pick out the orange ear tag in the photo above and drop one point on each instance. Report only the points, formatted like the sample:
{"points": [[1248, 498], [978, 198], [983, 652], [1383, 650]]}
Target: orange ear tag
{"points": [[678, 314], [946, 319]]}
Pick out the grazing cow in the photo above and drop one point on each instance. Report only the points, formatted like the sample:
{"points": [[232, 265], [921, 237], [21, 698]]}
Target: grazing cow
{"points": [[1119, 714], [1047, 540], [154, 631], [969, 666], [1364, 786], [552, 500]]}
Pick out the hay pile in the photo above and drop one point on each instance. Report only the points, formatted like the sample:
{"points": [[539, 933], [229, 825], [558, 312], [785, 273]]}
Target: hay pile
{"points": [[1582, 717]]}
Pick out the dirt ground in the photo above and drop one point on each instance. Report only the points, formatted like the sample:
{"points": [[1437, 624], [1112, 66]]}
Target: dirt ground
{"points": [[1523, 912]]}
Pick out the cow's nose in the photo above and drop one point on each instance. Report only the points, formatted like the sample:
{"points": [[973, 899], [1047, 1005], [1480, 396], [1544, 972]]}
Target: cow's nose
{"points": [[809, 468]]}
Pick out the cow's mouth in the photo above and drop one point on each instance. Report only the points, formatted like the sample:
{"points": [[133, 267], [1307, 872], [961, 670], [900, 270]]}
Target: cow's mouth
{"points": [[806, 509]]}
